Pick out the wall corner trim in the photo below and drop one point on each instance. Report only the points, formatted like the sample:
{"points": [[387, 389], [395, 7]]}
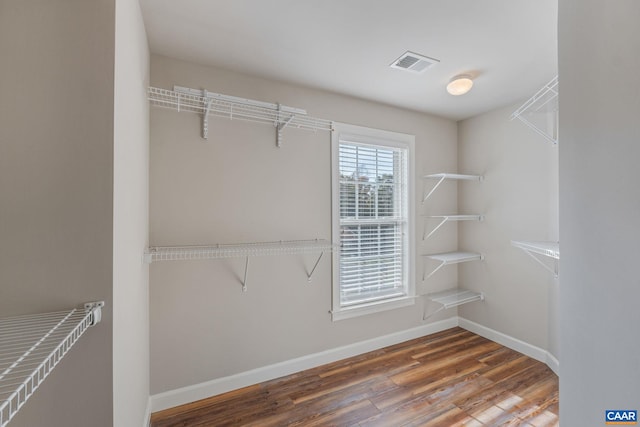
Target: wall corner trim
{"points": [[180, 396]]}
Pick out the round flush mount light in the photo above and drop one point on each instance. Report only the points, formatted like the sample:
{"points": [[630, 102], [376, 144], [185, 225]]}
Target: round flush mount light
{"points": [[459, 85]]}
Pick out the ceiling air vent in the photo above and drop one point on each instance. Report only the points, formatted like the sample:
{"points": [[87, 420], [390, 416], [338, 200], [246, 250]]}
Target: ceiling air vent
{"points": [[413, 62]]}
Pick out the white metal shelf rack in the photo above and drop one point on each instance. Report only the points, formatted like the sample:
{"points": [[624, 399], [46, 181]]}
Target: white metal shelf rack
{"points": [[451, 176], [208, 103], [453, 298], [449, 258], [245, 250], [447, 218], [30, 348], [536, 249], [540, 112]]}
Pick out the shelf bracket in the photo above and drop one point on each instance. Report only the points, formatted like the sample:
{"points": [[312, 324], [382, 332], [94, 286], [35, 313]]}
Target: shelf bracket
{"points": [[280, 125], [425, 236], [433, 189], [205, 115], [426, 316], [246, 268], [310, 275], [95, 308], [554, 270], [442, 264]]}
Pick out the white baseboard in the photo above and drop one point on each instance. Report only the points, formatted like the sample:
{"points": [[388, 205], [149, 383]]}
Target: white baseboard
{"points": [[506, 340], [147, 414], [203, 390], [195, 392], [553, 363], [513, 343]]}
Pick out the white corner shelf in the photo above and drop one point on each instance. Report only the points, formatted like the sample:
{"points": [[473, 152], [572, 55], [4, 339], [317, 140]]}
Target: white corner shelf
{"points": [[449, 258], [540, 112], [447, 218], [535, 249], [243, 250], [451, 298], [31, 347], [232, 107], [450, 176]]}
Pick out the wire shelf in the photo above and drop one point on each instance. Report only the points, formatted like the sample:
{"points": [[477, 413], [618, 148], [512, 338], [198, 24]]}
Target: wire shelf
{"points": [[452, 298], [455, 176], [540, 112], [30, 348], [283, 247], [447, 218], [455, 297], [448, 258], [549, 249], [245, 250], [231, 107], [452, 176], [537, 249]]}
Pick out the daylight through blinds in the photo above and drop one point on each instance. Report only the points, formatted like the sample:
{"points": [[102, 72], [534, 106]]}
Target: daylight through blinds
{"points": [[373, 221]]}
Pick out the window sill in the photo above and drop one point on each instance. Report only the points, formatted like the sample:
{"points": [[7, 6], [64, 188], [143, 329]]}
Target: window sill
{"points": [[376, 307]]}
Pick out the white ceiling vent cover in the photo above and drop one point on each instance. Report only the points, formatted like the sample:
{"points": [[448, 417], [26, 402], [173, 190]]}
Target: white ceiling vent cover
{"points": [[413, 62]]}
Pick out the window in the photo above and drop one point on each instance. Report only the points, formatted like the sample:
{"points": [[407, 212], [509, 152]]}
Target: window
{"points": [[372, 220]]}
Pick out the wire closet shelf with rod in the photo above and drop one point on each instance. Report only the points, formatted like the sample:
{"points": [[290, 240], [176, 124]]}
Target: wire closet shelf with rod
{"points": [[241, 250], [31, 346], [540, 113], [207, 104]]}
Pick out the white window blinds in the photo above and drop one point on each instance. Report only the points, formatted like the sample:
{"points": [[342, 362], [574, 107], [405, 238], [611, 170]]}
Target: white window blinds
{"points": [[373, 222]]}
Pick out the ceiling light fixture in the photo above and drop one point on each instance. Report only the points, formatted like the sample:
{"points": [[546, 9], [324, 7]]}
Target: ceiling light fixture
{"points": [[459, 85]]}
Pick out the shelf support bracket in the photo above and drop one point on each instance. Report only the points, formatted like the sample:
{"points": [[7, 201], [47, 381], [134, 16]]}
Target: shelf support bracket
{"points": [[280, 125], [205, 116], [433, 189], [426, 316], [554, 270], [95, 308], [442, 264], [246, 268], [425, 236], [310, 275]]}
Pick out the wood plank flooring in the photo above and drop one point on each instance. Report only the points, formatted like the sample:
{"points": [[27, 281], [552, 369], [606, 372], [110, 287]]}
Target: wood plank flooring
{"points": [[451, 378]]}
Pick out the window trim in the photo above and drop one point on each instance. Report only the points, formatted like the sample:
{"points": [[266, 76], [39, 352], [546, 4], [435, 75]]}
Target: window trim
{"points": [[370, 136]]}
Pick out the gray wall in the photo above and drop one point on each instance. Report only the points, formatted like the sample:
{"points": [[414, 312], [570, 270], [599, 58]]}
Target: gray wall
{"points": [[599, 208], [130, 218], [238, 187], [56, 184], [519, 199]]}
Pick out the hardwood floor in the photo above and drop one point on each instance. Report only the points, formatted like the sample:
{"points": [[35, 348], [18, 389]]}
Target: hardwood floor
{"points": [[452, 378]]}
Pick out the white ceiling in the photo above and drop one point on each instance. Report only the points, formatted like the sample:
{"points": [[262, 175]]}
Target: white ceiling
{"points": [[346, 46]]}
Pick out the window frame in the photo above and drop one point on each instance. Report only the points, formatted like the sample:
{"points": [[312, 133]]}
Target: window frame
{"points": [[382, 138]]}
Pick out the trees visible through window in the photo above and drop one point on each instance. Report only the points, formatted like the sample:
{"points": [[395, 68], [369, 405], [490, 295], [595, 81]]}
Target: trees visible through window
{"points": [[373, 221]]}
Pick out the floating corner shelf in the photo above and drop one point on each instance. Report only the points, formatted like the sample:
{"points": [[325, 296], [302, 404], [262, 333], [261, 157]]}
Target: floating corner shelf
{"points": [[32, 346], [448, 258], [540, 112], [535, 249], [446, 218], [451, 176]]}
